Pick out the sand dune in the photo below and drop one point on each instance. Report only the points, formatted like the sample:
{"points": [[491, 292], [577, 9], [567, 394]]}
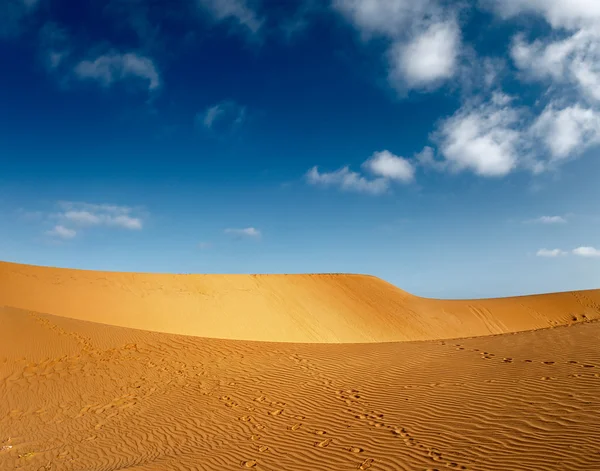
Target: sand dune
{"points": [[75, 395], [284, 308], [79, 395]]}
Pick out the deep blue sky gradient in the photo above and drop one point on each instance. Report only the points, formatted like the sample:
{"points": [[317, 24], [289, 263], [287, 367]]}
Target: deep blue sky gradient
{"points": [[319, 97]]}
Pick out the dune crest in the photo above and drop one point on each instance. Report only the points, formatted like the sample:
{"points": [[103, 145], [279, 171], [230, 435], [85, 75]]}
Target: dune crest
{"points": [[319, 308]]}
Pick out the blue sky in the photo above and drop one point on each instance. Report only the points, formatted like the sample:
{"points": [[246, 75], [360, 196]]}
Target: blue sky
{"points": [[451, 148]]}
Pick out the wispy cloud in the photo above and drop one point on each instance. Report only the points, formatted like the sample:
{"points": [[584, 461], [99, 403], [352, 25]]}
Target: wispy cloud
{"points": [[383, 165], [87, 214], [550, 253], [13, 14], [222, 118], [245, 232], [62, 232], [72, 218], [586, 252], [549, 220], [237, 10], [204, 245], [113, 67]]}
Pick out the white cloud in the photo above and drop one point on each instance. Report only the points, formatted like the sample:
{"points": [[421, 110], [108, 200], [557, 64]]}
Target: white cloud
{"points": [[236, 9], [567, 132], [495, 137], [387, 165], [62, 232], [426, 158], [424, 40], [587, 252], [550, 220], [109, 68], [246, 232], [550, 253], [347, 180], [484, 138], [573, 60], [569, 14], [204, 245], [382, 17], [428, 58]]}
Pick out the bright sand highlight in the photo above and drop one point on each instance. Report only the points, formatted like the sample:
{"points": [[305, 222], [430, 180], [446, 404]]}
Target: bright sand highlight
{"points": [[331, 308], [81, 390]]}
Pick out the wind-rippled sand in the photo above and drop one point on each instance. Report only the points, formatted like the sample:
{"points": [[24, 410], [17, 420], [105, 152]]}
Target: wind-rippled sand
{"points": [[80, 395]]}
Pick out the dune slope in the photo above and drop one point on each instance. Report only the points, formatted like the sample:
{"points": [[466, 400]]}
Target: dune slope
{"points": [[285, 308], [75, 395]]}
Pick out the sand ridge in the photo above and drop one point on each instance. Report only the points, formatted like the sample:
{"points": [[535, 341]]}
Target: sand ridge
{"points": [[328, 308]]}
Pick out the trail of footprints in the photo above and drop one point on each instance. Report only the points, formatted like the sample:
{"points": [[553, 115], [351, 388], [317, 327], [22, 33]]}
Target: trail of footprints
{"points": [[352, 398], [491, 356], [275, 409], [359, 408]]}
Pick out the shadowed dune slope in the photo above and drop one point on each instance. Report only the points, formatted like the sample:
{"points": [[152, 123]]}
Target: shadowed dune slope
{"points": [[76, 395], [328, 308]]}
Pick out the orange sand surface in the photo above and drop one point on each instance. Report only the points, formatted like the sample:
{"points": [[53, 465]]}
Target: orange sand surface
{"points": [[280, 308], [89, 396]]}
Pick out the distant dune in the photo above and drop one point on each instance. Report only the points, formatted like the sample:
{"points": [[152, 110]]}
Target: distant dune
{"points": [[325, 308]]}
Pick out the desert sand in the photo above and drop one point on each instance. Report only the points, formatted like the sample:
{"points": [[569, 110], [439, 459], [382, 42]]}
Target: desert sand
{"points": [[331, 308], [119, 371]]}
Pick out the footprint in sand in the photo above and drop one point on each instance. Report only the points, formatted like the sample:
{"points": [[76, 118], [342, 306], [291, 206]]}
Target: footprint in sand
{"points": [[320, 432], [249, 464], [366, 464], [548, 362], [276, 412], [325, 443], [295, 427], [263, 448], [355, 449]]}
